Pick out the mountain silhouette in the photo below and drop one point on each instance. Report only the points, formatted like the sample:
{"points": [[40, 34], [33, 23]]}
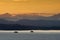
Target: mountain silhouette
{"points": [[6, 15], [54, 17], [28, 20], [38, 17], [32, 16], [3, 21], [39, 22]]}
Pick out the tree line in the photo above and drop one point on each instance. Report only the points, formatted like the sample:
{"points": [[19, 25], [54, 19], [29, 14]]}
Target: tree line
{"points": [[26, 27]]}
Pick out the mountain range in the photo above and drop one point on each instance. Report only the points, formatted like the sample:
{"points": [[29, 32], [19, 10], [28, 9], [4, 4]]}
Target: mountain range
{"points": [[35, 20], [32, 16]]}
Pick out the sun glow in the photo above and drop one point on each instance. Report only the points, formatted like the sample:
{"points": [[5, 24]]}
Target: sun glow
{"points": [[30, 6]]}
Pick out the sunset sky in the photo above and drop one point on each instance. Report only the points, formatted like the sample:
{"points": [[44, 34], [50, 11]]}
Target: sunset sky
{"points": [[29, 6]]}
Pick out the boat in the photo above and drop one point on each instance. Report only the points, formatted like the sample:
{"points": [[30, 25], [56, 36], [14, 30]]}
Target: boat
{"points": [[31, 31], [15, 32]]}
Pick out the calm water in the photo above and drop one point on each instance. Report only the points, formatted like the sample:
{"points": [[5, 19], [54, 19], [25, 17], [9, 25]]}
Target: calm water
{"points": [[29, 36]]}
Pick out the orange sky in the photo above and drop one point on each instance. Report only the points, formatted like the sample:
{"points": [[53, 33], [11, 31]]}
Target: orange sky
{"points": [[30, 6]]}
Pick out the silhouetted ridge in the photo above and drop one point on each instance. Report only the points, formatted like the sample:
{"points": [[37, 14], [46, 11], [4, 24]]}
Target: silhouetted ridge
{"points": [[25, 27]]}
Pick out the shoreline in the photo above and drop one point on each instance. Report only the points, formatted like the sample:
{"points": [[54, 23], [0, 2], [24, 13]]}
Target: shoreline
{"points": [[41, 31]]}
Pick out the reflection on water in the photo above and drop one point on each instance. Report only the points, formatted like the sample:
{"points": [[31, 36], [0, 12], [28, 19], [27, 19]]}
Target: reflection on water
{"points": [[29, 36]]}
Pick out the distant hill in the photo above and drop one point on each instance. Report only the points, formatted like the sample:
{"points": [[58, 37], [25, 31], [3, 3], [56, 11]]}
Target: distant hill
{"points": [[3, 21], [39, 22], [31, 20], [31, 16]]}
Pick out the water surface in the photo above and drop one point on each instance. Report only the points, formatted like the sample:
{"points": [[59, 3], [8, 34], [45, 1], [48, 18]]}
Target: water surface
{"points": [[29, 36]]}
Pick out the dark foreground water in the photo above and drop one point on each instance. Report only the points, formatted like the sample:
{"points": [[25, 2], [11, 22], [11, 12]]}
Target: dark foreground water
{"points": [[29, 36]]}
